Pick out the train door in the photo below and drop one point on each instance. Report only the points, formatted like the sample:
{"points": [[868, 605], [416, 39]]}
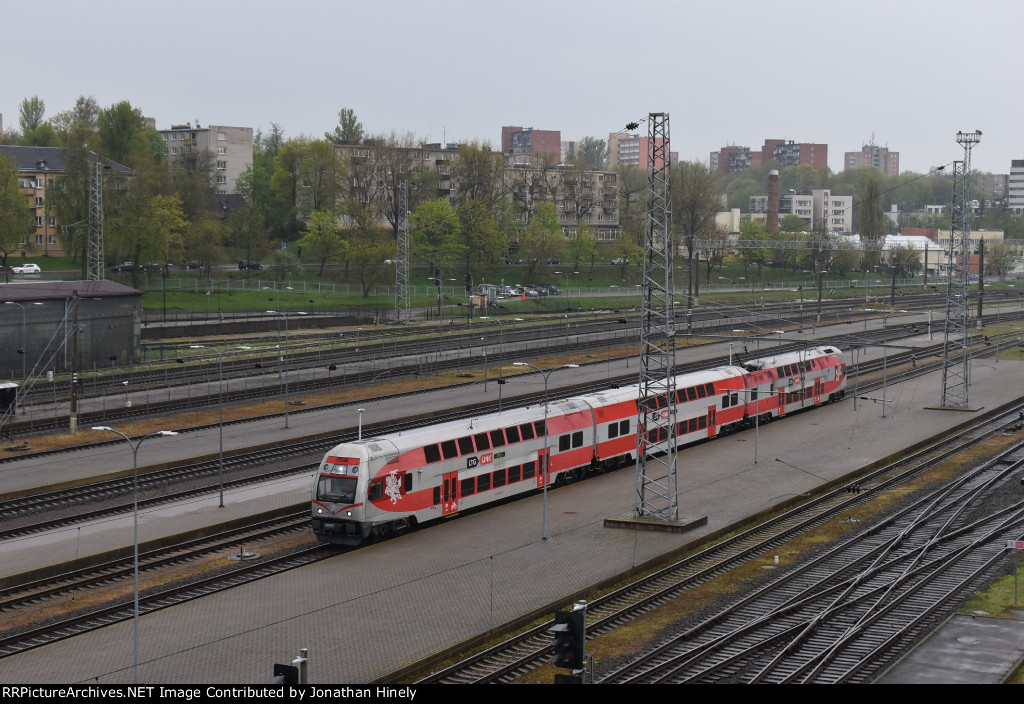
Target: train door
{"points": [[711, 421], [542, 468], [449, 493], [817, 390], [782, 401]]}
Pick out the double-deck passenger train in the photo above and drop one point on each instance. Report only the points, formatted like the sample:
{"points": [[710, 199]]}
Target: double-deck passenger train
{"points": [[382, 485]]}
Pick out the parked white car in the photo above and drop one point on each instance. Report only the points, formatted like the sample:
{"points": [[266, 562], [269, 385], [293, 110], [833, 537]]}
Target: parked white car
{"points": [[26, 269]]}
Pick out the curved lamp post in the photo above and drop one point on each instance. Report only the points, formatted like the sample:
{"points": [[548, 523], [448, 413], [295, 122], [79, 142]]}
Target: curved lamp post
{"points": [[135, 511]]}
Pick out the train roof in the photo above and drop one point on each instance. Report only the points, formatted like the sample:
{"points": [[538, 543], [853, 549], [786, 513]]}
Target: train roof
{"points": [[791, 357]]}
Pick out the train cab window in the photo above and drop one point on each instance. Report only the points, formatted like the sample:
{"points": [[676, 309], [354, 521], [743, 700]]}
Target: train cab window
{"points": [[735, 399], [515, 474], [563, 442], [577, 439], [538, 426], [753, 394], [431, 453], [407, 482], [499, 478], [483, 482], [498, 438], [512, 434], [482, 442], [468, 487], [624, 427], [725, 401], [466, 445], [528, 469], [613, 430], [527, 430], [449, 449], [340, 490]]}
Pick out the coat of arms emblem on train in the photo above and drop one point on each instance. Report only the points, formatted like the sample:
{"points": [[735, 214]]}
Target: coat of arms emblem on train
{"points": [[393, 489]]}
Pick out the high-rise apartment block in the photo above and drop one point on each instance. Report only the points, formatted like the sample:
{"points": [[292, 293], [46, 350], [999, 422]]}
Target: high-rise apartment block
{"points": [[787, 153], [543, 143], [877, 157], [632, 150]]}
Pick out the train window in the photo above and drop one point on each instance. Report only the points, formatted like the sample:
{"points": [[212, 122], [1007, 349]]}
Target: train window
{"points": [[702, 423], [515, 474], [449, 449], [725, 401], [407, 482], [735, 399], [340, 490], [498, 438], [681, 427], [431, 453], [528, 469], [375, 490], [437, 495], [624, 427], [483, 482], [577, 439], [753, 394], [710, 388], [613, 430], [482, 442], [468, 486], [702, 392], [527, 430], [499, 478], [563, 443], [466, 445], [512, 434], [538, 425], [691, 393]]}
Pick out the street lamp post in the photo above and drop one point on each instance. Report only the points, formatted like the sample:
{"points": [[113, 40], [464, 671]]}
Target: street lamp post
{"points": [[360, 412], [220, 412], [135, 510], [501, 350], [544, 454]]}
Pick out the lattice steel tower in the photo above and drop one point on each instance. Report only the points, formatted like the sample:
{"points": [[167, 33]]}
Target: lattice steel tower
{"points": [[94, 248], [656, 419], [956, 342], [403, 313]]}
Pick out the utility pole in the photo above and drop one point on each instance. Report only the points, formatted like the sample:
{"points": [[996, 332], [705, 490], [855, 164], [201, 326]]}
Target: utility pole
{"points": [[73, 411]]}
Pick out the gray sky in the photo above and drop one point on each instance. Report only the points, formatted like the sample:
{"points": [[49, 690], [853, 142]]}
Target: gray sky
{"points": [[731, 72]]}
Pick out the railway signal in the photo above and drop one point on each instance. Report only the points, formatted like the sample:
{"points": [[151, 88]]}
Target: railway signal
{"points": [[570, 631]]}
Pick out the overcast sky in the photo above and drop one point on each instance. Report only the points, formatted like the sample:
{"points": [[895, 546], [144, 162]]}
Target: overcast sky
{"points": [[910, 74]]}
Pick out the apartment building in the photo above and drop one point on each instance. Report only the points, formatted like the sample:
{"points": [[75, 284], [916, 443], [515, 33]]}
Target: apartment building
{"points": [[40, 169], [888, 162], [229, 150], [787, 153]]}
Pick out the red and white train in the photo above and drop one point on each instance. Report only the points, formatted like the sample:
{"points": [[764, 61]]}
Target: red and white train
{"points": [[382, 485]]}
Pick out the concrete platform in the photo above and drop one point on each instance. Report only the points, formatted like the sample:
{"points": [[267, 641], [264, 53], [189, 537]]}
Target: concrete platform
{"points": [[374, 610]]}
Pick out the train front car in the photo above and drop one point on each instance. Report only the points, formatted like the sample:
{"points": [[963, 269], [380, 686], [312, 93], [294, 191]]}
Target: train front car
{"points": [[339, 495]]}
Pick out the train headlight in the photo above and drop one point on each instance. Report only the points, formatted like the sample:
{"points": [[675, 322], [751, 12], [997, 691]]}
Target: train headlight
{"points": [[319, 510], [348, 513]]}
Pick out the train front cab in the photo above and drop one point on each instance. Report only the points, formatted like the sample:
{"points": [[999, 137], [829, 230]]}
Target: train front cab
{"points": [[339, 496]]}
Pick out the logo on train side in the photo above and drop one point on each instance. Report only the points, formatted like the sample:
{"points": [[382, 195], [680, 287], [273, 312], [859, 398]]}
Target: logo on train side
{"points": [[393, 486], [486, 458]]}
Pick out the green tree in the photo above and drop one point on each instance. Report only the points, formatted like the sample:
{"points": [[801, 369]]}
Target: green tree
{"points": [[121, 129], [30, 114], [203, 241], [16, 222], [695, 202], [437, 233], [581, 246], [542, 238], [793, 223], [147, 227], [592, 153], [484, 240], [249, 233], [369, 249], [872, 223], [323, 238], [480, 173], [757, 245], [349, 128]]}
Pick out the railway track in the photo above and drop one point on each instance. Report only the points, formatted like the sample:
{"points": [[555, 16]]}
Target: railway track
{"points": [[522, 652]]}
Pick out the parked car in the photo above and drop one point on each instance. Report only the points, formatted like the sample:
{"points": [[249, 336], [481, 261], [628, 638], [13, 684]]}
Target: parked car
{"points": [[123, 268], [252, 266], [620, 260], [26, 269], [553, 260]]}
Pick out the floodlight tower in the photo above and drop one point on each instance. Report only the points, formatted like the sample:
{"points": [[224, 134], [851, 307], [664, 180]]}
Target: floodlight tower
{"points": [[656, 419], [956, 343], [402, 310]]}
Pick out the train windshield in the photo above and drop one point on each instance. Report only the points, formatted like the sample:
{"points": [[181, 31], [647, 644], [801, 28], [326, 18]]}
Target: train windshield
{"points": [[340, 490]]}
